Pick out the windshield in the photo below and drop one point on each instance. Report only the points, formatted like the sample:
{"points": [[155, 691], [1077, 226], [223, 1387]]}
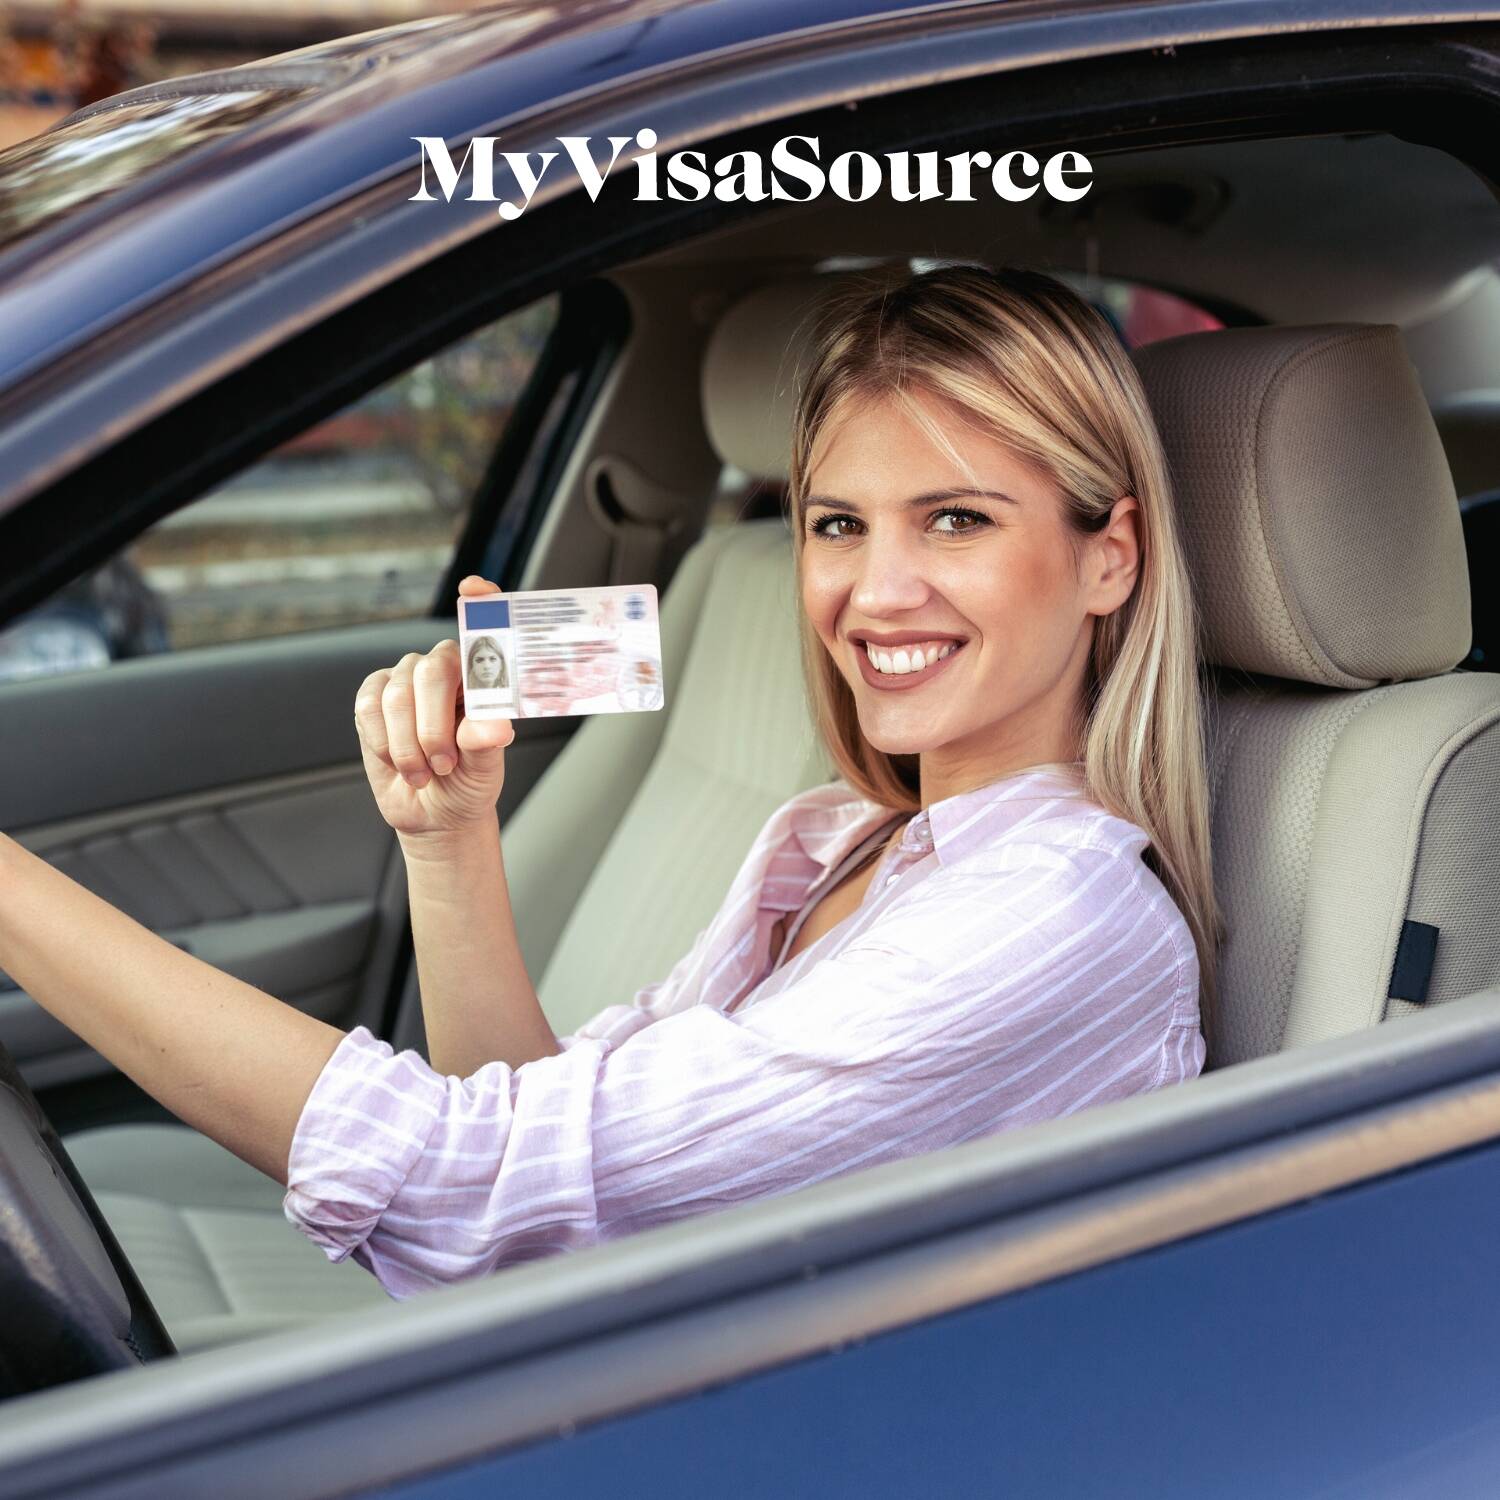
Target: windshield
{"points": [[45, 178]]}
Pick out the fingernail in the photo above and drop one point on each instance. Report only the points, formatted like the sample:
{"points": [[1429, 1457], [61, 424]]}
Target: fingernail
{"points": [[417, 778], [442, 764]]}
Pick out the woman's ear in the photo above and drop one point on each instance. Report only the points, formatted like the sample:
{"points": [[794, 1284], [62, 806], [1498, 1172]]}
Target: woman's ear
{"points": [[1115, 557]]}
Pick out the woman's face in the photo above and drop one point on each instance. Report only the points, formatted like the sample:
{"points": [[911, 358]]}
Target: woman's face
{"points": [[485, 666], [901, 555]]}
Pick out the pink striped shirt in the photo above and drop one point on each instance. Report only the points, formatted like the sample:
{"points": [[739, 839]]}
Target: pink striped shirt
{"points": [[1013, 959]]}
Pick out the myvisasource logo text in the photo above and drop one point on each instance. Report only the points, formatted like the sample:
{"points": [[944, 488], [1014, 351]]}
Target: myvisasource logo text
{"points": [[792, 173]]}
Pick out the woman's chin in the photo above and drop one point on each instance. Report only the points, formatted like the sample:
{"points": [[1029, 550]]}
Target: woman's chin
{"points": [[891, 738]]}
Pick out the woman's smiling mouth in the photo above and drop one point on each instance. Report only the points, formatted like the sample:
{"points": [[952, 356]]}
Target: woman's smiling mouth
{"points": [[903, 663]]}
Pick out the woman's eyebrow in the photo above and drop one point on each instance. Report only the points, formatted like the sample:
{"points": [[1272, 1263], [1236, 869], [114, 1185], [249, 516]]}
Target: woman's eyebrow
{"points": [[928, 497]]}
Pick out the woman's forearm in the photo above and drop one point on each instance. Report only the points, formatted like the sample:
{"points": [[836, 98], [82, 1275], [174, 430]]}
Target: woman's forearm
{"points": [[478, 1003], [225, 1057]]}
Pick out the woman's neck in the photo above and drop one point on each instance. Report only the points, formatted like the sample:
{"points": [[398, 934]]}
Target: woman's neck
{"points": [[943, 775]]}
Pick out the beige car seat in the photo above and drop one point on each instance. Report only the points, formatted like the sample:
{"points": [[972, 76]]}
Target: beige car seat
{"points": [[1355, 778], [1324, 538]]}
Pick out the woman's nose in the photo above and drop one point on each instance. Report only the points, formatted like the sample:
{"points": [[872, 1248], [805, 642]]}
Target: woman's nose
{"points": [[890, 579]]}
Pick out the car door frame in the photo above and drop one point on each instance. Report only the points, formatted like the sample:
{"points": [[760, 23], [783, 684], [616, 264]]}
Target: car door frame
{"points": [[496, 1372]]}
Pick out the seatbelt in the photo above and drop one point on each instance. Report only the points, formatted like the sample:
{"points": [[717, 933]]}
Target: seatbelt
{"points": [[640, 515]]}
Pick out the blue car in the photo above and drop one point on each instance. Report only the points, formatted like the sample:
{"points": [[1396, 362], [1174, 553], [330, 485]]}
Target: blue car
{"points": [[259, 358]]}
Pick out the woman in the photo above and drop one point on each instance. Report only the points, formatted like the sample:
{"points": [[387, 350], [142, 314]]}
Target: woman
{"points": [[1002, 911], [486, 665]]}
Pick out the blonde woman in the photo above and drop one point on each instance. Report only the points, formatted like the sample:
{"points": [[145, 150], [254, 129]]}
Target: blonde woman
{"points": [[999, 913]]}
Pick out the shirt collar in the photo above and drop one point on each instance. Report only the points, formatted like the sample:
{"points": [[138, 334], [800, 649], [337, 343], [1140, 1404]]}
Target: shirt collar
{"points": [[834, 820], [953, 826], [962, 822]]}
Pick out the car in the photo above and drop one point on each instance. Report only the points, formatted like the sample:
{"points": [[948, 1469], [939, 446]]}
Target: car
{"points": [[1276, 1279], [106, 615]]}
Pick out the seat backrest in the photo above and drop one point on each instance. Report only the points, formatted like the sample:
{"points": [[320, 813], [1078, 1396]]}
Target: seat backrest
{"points": [[1354, 777], [624, 849], [622, 852]]}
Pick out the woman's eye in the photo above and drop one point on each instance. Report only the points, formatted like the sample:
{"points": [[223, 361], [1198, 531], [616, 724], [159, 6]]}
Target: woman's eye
{"points": [[833, 526], [959, 522]]}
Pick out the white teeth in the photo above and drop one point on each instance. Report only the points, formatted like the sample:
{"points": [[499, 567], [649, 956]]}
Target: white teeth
{"points": [[904, 660]]}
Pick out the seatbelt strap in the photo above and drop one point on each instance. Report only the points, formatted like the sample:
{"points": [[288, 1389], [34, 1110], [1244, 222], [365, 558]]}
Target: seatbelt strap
{"points": [[638, 512]]}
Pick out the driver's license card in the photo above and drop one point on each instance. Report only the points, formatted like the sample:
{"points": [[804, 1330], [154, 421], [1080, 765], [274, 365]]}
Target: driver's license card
{"points": [[560, 651]]}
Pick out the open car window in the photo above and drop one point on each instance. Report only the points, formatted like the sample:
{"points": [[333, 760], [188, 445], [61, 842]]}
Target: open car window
{"points": [[351, 522]]}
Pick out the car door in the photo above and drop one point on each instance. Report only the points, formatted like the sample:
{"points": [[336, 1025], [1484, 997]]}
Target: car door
{"points": [[178, 722]]}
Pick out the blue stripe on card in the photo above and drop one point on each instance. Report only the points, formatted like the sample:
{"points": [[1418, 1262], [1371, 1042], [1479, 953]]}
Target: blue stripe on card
{"points": [[491, 614]]}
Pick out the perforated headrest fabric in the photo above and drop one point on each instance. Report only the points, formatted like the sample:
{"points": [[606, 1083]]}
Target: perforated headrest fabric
{"points": [[1318, 512]]}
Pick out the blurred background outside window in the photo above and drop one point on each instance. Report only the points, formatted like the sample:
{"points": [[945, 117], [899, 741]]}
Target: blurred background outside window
{"points": [[350, 522]]}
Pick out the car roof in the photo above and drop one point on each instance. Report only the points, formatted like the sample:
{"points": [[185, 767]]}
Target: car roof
{"points": [[1290, 229], [323, 121], [572, 48], [605, 42]]}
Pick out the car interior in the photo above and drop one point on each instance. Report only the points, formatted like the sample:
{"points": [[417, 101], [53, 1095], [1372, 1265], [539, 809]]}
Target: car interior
{"points": [[1332, 434]]}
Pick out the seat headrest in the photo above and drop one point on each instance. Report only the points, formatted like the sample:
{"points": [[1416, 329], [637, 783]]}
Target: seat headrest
{"points": [[754, 359], [1317, 508], [1318, 512]]}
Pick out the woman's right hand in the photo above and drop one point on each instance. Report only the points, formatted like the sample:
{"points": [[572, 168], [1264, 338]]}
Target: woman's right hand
{"points": [[432, 771]]}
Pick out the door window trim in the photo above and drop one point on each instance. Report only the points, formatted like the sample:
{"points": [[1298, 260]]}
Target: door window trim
{"points": [[593, 324]]}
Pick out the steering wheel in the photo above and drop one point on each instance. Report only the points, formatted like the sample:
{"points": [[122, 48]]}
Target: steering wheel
{"points": [[73, 1305]]}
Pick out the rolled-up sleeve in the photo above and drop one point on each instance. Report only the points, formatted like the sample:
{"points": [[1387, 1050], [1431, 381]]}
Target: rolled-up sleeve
{"points": [[987, 1001]]}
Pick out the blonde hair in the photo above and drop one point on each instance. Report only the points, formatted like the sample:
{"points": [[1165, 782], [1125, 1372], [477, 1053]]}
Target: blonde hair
{"points": [[1029, 362]]}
